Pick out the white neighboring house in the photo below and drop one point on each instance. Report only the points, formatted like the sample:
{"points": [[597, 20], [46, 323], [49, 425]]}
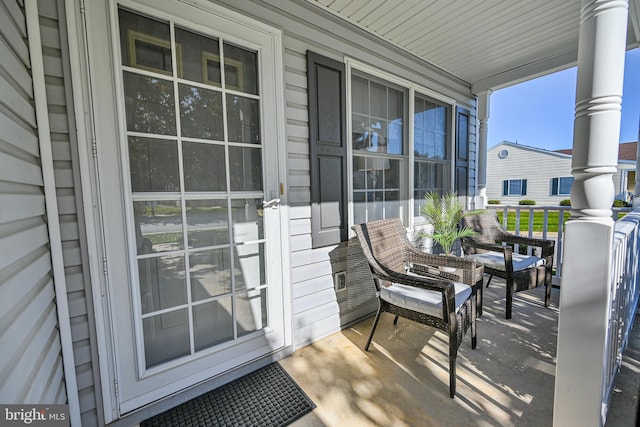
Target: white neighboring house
{"points": [[516, 172]]}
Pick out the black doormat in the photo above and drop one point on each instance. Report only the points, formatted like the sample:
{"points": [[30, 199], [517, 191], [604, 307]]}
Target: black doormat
{"points": [[266, 397]]}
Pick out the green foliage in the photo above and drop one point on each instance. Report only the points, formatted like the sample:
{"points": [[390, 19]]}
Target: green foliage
{"points": [[620, 204], [445, 213], [565, 202], [527, 202], [493, 202], [538, 220]]}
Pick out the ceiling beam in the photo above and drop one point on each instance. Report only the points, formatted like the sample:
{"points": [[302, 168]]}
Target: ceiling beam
{"points": [[526, 72]]}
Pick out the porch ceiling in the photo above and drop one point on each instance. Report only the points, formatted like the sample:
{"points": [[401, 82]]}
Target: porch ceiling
{"points": [[490, 44]]}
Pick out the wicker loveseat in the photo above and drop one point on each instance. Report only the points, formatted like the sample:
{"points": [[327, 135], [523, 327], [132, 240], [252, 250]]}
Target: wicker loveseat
{"points": [[442, 304], [493, 247]]}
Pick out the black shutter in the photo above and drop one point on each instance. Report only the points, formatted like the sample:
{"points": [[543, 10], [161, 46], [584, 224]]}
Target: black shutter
{"points": [[554, 186], [524, 187], [505, 187], [327, 149], [462, 153]]}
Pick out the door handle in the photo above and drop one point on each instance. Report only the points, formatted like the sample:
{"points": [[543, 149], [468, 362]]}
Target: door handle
{"points": [[273, 203]]}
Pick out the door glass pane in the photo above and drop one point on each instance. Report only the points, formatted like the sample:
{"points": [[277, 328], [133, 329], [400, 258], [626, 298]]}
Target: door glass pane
{"points": [[212, 323], [240, 69], [248, 230], [210, 273], [145, 43], [198, 57], [243, 119], [204, 167], [224, 232], [200, 113], [158, 225], [166, 337], [249, 264], [245, 168], [150, 104], [153, 165], [244, 212], [252, 311], [207, 223], [162, 282]]}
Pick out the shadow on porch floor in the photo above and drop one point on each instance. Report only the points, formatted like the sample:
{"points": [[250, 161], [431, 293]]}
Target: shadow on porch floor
{"points": [[508, 380]]}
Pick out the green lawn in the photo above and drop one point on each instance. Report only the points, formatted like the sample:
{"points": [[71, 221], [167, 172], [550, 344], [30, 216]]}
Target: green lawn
{"points": [[538, 218]]}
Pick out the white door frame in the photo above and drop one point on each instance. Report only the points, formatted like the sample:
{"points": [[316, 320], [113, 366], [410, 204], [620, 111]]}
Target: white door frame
{"points": [[80, 34]]}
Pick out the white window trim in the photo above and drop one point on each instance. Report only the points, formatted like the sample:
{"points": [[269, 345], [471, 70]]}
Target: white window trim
{"points": [[509, 180], [352, 64], [558, 193]]}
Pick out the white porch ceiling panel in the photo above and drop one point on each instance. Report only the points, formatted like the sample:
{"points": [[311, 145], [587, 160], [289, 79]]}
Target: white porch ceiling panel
{"points": [[489, 43]]}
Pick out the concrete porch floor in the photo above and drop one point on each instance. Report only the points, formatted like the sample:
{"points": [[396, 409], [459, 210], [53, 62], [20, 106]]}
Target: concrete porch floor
{"points": [[508, 380]]}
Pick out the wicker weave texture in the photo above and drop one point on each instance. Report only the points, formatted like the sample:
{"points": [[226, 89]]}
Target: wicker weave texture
{"points": [[493, 237], [390, 255]]}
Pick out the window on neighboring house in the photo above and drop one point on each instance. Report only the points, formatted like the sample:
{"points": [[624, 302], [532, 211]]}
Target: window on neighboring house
{"points": [[561, 186], [378, 141], [514, 187]]}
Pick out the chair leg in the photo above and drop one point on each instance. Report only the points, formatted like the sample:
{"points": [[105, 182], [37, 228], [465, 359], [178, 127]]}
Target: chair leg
{"points": [[509, 299], [547, 294], [474, 312], [395, 320], [489, 281], [453, 354], [373, 329]]}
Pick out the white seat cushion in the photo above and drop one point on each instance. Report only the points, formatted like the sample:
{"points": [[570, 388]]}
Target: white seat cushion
{"points": [[495, 260], [422, 300]]}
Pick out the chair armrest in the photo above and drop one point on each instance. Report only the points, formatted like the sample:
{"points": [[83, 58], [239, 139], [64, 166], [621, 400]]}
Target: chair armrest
{"points": [[486, 246], [531, 241]]}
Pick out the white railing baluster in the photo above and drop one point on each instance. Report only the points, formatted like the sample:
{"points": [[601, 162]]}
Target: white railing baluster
{"points": [[557, 234]]}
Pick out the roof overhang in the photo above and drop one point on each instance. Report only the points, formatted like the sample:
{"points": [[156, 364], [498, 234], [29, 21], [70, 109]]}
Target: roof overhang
{"points": [[490, 44]]}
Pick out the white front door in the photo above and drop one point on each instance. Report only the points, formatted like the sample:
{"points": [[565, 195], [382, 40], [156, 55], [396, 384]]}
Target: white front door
{"points": [[187, 167]]}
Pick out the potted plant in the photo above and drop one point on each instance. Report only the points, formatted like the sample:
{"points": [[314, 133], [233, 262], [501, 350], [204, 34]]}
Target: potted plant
{"points": [[444, 213]]}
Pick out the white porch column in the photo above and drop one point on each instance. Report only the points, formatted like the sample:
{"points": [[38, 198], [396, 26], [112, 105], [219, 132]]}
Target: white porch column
{"points": [[586, 277], [483, 119]]}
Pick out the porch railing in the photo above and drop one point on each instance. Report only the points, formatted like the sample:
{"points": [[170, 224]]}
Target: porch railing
{"points": [[624, 284], [525, 225], [624, 290]]}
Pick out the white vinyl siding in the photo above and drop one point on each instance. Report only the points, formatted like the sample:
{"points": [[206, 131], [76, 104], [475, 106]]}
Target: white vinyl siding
{"points": [[540, 168], [30, 360], [67, 181]]}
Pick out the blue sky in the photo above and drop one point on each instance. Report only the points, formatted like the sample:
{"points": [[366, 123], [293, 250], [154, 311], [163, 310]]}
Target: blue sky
{"points": [[539, 113]]}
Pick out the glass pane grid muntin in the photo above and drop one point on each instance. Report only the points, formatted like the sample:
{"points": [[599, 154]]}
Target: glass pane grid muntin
{"points": [[373, 124], [182, 196], [375, 194]]}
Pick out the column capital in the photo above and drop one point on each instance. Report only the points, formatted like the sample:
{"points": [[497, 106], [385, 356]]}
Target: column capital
{"points": [[484, 101]]}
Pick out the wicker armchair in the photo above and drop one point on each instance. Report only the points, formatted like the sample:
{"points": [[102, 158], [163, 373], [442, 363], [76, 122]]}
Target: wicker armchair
{"points": [[442, 304], [493, 248]]}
